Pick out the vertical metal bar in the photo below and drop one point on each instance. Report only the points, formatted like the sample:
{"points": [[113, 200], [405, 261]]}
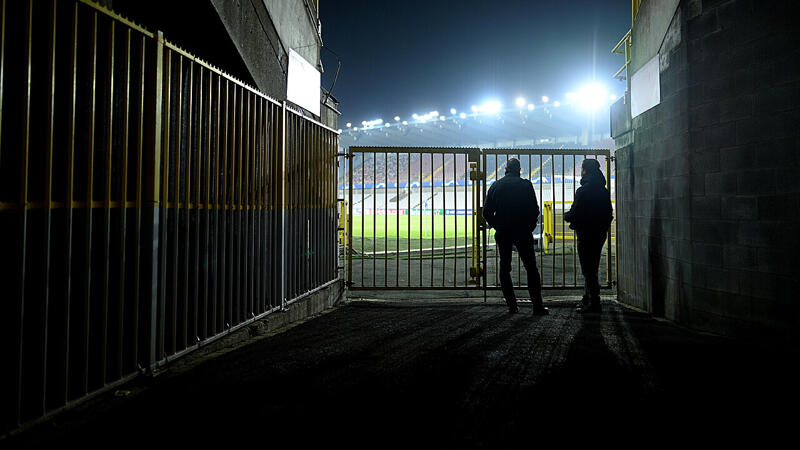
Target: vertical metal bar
{"points": [[363, 211], [482, 230], [408, 218], [188, 205], [349, 221], [241, 239], [608, 241], [244, 211], [89, 190], [553, 196], [121, 293], [421, 213], [198, 205], [3, 61], [536, 221], [217, 237], [283, 206], [386, 218], [139, 177], [70, 178], [374, 217], [397, 218], [444, 218], [163, 72], [574, 237], [207, 259], [496, 248], [541, 209], [109, 119], [49, 200], [433, 217], [563, 227], [226, 213]]}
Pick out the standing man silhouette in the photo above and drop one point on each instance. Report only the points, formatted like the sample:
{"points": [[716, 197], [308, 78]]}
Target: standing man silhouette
{"points": [[590, 216], [512, 210]]}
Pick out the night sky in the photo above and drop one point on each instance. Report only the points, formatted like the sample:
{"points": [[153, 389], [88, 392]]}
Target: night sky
{"points": [[412, 56]]}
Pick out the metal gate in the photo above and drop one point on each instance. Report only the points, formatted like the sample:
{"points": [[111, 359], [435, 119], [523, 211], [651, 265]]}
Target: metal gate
{"points": [[414, 219]]}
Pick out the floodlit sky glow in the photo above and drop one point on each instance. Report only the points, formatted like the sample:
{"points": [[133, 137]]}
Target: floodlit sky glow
{"points": [[422, 55]]}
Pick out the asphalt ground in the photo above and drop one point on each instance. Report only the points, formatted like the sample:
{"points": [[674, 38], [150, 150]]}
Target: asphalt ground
{"points": [[456, 373]]}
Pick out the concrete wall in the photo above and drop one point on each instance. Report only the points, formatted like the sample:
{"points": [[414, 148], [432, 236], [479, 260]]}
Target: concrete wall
{"points": [[708, 196]]}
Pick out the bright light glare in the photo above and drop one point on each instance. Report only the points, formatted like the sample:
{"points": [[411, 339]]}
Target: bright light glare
{"points": [[405, 122], [612, 97], [441, 117], [545, 99], [530, 106], [386, 124], [474, 108], [592, 96], [491, 107], [570, 95], [520, 101], [556, 103], [397, 118], [355, 129], [463, 115], [372, 123], [452, 110], [349, 124]]}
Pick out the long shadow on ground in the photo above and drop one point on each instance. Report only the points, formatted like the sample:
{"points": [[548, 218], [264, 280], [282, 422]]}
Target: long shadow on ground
{"points": [[381, 375]]}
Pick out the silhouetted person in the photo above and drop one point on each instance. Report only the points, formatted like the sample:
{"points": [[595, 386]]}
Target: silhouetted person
{"points": [[590, 216], [512, 210]]}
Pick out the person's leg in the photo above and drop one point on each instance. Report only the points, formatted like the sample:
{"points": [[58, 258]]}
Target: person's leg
{"points": [[597, 241], [504, 244], [527, 253], [583, 253]]}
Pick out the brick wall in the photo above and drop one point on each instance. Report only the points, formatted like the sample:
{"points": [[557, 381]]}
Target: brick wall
{"points": [[709, 194]]}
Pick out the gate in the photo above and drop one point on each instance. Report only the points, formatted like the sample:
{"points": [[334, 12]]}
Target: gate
{"points": [[414, 217]]}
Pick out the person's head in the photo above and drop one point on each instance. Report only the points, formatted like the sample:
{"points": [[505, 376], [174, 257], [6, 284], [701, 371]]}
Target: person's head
{"points": [[589, 166], [512, 166]]}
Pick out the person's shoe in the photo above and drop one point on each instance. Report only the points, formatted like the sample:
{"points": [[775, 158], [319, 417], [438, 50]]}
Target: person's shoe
{"points": [[540, 311], [582, 304], [591, 308]]}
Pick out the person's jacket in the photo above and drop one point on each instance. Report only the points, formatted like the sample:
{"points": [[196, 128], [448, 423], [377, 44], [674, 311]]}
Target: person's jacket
{"points": [[591, 209], [511, 205]]}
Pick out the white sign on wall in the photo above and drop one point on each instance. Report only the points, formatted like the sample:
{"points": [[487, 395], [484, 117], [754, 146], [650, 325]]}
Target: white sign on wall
{"points": [[645, 87], [303, 83]]}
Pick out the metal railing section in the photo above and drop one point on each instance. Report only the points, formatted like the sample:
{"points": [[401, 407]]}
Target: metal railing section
{"points": [[147, 202]]}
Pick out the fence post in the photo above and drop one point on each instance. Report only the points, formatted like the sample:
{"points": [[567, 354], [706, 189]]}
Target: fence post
{"points": [[284, 184], [151, 176]]}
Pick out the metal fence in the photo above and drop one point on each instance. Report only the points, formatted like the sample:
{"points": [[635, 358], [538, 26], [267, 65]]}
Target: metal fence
{"points": [[414, 217], [149, 204]]}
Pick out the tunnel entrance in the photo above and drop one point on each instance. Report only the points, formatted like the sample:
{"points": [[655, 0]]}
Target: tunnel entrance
{"points": [[413, 217]]}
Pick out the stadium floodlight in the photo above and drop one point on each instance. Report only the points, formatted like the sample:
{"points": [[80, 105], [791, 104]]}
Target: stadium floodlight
{"points": [[556, 103], [491, 107], [433, 113], [520, 101], [530, 106], [372, 123], [386, 124], [355, 128], [442, 117], [462, 115], [592, 96], [453, 111], [415, 115], [397, 118], [349, 124], [545, 99], [405, 122]]}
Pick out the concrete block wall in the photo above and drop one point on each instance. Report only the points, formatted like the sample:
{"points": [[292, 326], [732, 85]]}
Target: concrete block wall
{"points": [[708, 190], [744, 78]]}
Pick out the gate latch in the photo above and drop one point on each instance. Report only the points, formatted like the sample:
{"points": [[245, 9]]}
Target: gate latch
{"points": [[476, 175]]}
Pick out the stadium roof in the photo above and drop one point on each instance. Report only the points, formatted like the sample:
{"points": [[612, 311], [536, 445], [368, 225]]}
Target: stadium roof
{"points": [[526, 127]]}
